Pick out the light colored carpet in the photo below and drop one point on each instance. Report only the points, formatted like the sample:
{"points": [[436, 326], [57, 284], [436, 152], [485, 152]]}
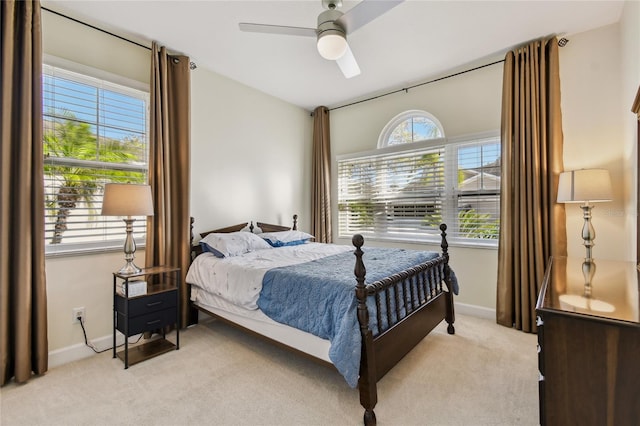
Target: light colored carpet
{"points": [[485, 374]]}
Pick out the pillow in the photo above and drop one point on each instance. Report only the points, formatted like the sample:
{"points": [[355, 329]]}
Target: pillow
{"points": [[232, 244], [286, 238]]}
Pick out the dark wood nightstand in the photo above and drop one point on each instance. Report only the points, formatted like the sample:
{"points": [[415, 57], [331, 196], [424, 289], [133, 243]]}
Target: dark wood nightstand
{"points": [[142, 302]]}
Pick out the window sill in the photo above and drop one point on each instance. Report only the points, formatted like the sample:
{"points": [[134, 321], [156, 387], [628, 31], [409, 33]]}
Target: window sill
{"points": [[432, 241], [85, 250]]}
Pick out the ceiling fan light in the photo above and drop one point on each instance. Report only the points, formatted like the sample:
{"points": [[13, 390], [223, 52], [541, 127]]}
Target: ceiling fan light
{"points": [[332, 45]]}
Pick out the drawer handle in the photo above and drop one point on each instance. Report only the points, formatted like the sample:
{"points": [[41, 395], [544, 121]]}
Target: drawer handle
{"points": [[153, 322], [152, 304]]}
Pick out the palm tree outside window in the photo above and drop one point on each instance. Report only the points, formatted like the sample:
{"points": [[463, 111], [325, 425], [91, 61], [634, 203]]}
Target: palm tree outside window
{"points": [[95, 132]]}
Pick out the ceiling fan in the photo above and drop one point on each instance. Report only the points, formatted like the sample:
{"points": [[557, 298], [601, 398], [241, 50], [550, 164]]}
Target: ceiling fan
{"points": [[333, 27]]}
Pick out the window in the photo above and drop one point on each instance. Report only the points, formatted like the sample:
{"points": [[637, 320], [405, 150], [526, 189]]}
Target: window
{"points": [[404, 190], [410, 126], [95, 132]]}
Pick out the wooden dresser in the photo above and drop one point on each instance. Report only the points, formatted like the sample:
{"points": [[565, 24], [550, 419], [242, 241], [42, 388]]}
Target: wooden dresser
{"points": [[589, 347]]}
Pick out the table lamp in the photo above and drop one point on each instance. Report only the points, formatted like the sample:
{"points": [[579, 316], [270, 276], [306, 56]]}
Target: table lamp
{"points": [[125, 199], [585, 186]]}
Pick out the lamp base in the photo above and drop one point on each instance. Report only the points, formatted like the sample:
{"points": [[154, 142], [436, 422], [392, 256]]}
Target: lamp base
{"points": [[130, 269], [129, 249], [588, 233]]}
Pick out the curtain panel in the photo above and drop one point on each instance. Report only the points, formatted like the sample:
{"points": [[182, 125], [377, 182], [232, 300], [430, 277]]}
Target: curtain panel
{"points": [[321, 177], [23, 299], [532, 224], [635, 108], [168, 230]]}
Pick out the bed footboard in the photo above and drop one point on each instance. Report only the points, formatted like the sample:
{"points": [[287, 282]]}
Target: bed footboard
{"points": [[396, 313]]}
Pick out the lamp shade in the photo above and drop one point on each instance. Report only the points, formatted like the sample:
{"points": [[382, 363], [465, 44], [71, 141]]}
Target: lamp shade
{"points": [[332, 44], [585, 185], [125, 199]]}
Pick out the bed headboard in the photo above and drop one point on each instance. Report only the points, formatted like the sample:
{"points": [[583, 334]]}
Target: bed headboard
{"points": [[225, 230], [265, 227]]}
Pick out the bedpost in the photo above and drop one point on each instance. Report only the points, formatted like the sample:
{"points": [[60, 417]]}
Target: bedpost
{"points": [[367, 381], [447, 278], [191, 220], [193, 252], [295, 222], [444, 244]]}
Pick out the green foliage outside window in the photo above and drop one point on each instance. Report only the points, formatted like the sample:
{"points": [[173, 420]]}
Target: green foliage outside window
{"points": [[472, 224], [72, 139]]}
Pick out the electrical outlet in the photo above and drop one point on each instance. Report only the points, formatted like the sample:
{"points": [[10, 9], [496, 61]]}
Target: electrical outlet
{"points": [[78, 313]]}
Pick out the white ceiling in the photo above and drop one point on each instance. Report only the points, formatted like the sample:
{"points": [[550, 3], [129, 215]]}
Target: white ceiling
{"points": [[414, 42]]}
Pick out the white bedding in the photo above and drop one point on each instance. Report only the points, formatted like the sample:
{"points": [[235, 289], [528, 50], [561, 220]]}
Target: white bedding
{"points": [[238, 279]]}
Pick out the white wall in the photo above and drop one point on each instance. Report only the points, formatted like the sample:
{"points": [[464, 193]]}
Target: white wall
{"points": [[630, 60], [600, 75], [78, 43], [249, 157], [465, 104], [594, 112]]}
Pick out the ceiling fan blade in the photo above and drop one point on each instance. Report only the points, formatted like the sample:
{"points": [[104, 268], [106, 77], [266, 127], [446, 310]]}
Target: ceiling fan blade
{"points": [[277, 29], [365, 12], [348, 64]]}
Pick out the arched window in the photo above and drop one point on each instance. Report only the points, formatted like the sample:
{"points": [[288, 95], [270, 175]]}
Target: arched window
{"points": [[410, 126], [418, 179]]}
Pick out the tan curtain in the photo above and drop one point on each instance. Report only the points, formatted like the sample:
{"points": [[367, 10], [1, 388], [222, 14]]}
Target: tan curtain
{"points": [[636, 110], [321, 177], [23, 296], [168, 231], [532, 224]]}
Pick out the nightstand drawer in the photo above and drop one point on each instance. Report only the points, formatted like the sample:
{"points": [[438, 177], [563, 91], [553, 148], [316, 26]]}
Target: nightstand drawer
{"points": [[147, 322], [146, 304]]}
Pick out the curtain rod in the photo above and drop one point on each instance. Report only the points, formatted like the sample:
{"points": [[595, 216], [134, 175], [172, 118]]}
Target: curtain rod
{"points": [[95, 28], [192, 65], [562, 42], [406, 89]]}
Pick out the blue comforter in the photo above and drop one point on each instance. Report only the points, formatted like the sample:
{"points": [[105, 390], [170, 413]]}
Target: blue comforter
{"points": [[323, 290]]}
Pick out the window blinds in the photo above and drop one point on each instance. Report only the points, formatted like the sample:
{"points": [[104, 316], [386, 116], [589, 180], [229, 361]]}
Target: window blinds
{"points": [[391, 193], [95, 132], [477, 192], [407, 193]]}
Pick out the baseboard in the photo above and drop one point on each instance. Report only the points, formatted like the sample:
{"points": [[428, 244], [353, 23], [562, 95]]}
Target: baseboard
{"points": [[475, 311], [76, 352]]}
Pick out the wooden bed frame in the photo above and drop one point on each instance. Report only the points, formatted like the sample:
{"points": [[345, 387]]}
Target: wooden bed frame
{"points": [[426, 307]]}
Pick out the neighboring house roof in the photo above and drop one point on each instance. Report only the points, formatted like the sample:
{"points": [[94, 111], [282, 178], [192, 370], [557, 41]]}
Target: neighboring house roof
{"points": [[487, 180]]}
